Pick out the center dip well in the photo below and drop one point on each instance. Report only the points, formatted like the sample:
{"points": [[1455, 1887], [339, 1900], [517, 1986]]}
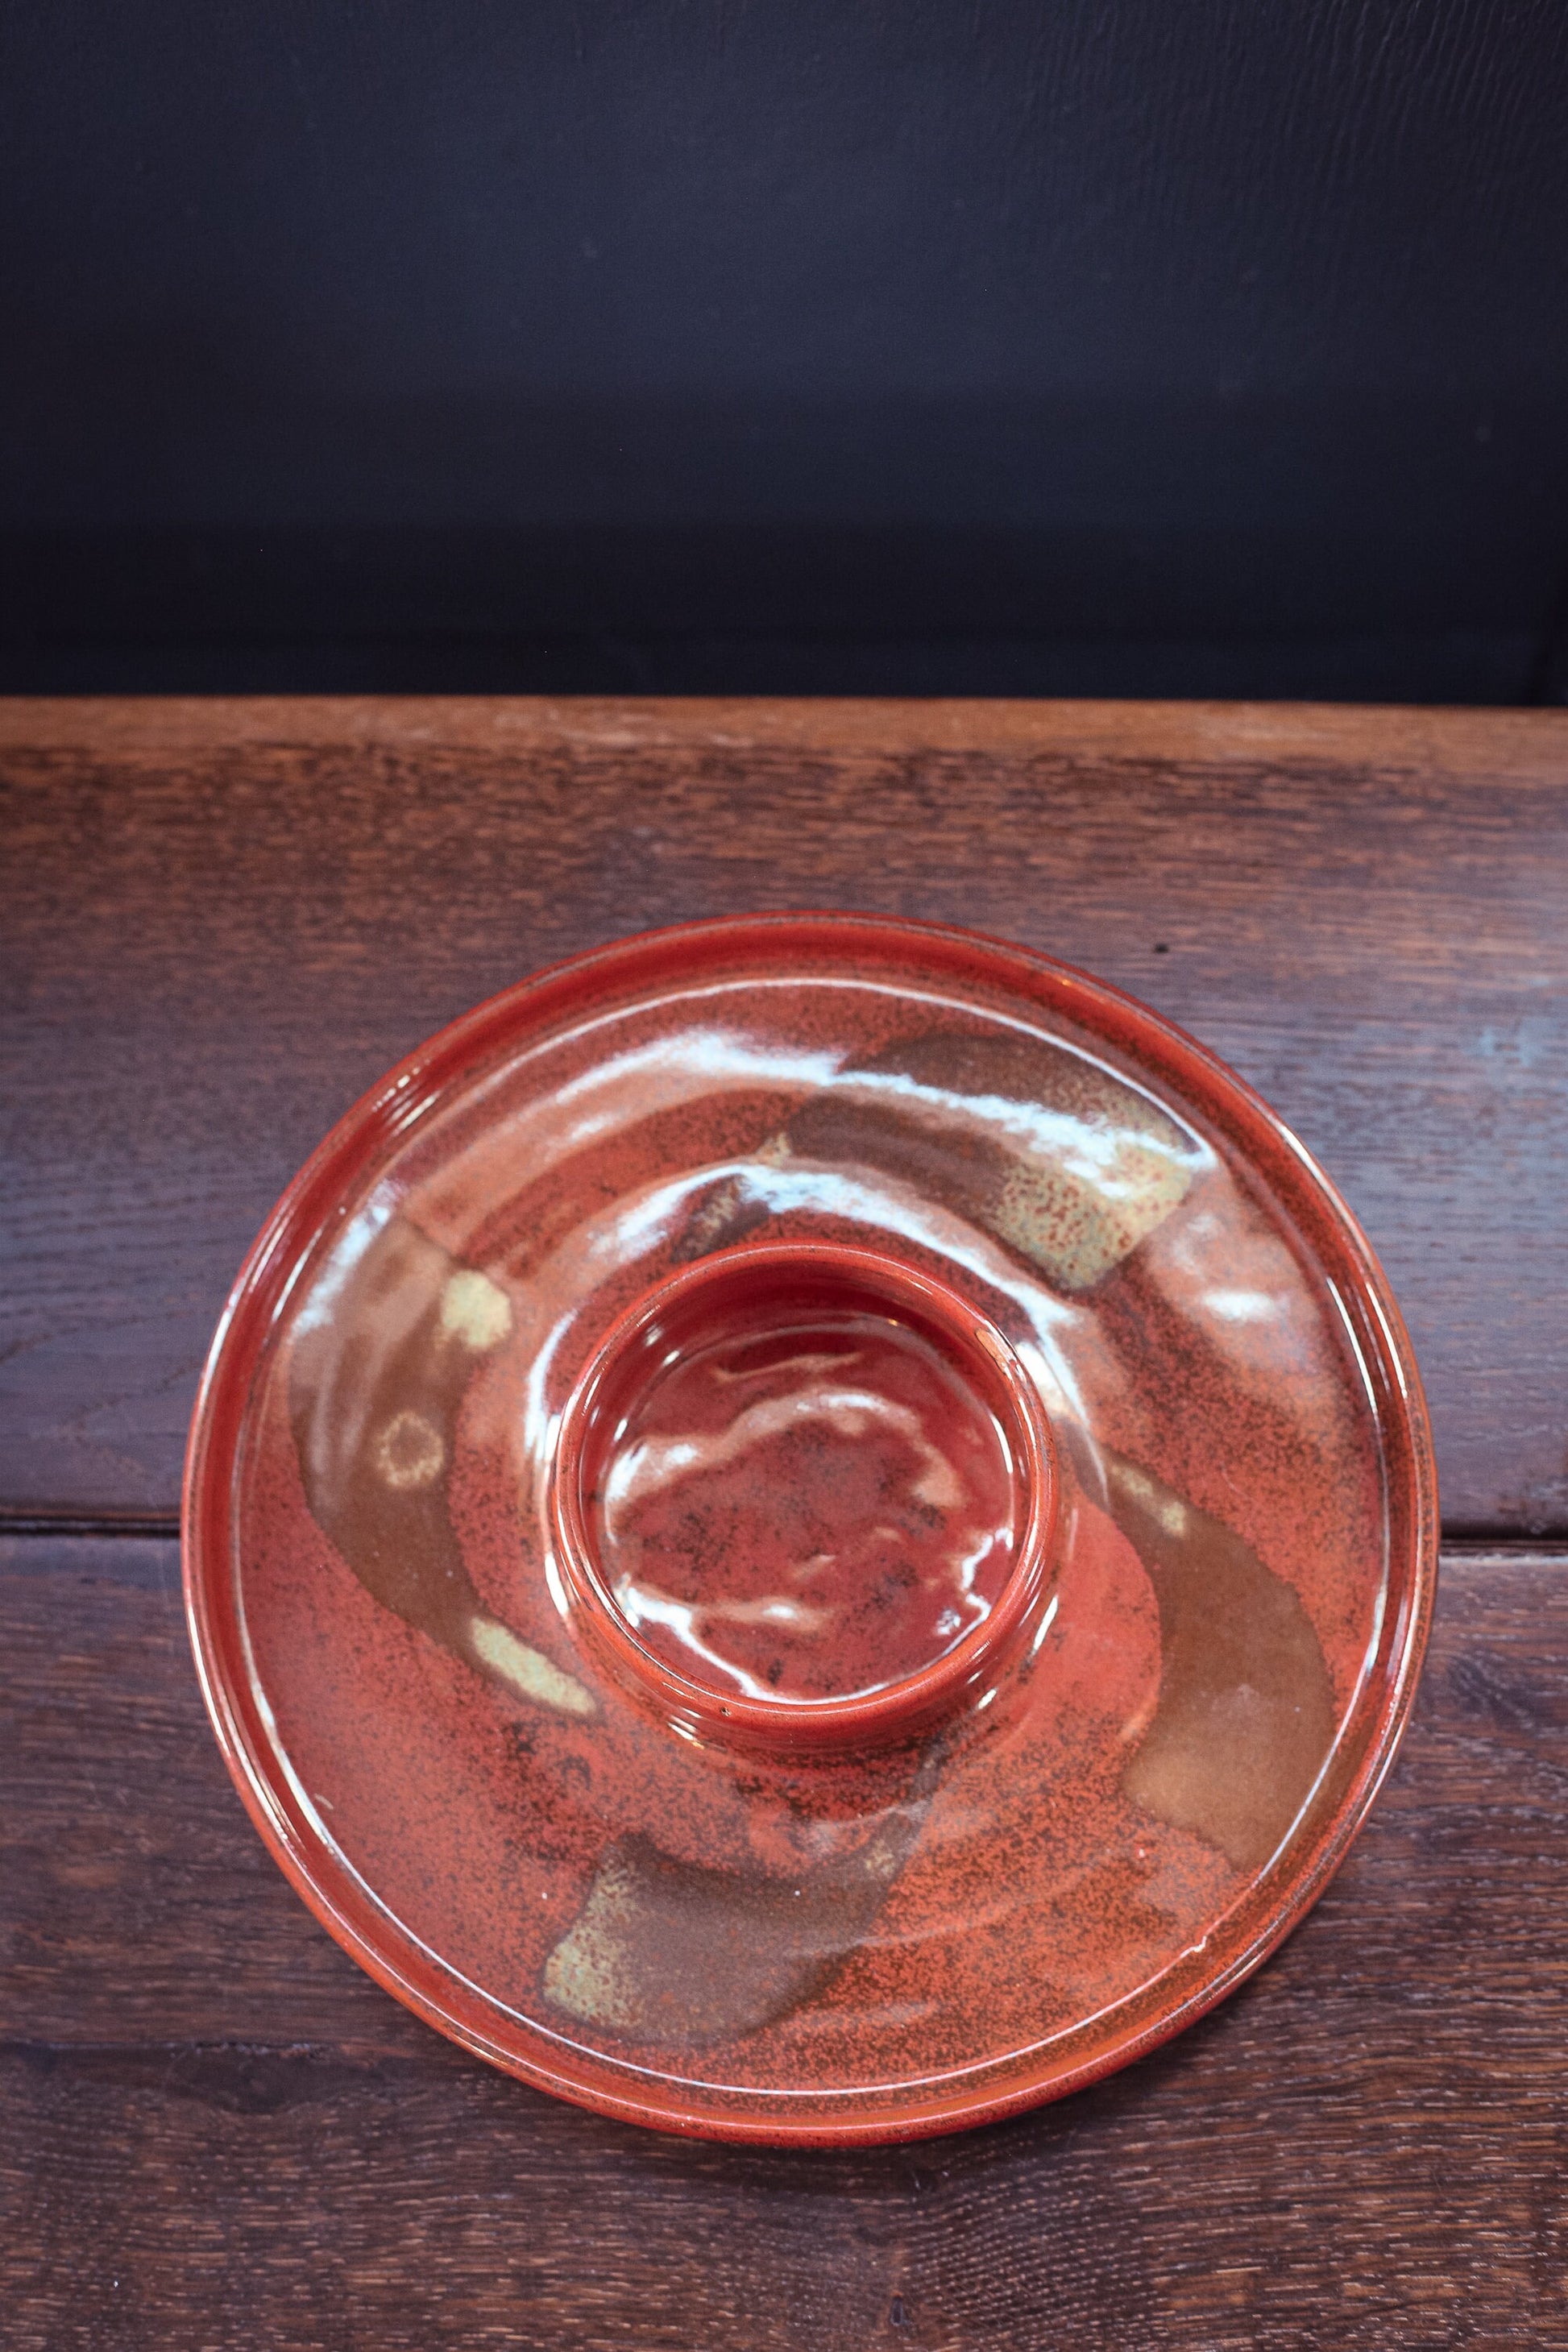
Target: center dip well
{"points": [[801, 1495]]}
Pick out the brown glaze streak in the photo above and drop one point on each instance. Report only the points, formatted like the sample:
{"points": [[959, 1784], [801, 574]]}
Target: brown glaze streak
{"points": [[1246, 1716], [662, 1950], [374, 1388], [680, 1954], [374, 1394], [1073, 1230]]}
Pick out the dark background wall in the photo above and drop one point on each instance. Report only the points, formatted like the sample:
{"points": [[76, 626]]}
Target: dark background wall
{"points": [[1187, 346]]}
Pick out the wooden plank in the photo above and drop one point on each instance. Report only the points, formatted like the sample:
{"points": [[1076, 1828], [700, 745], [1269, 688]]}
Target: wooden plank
{"points": [[219, 2133], [226, 918]]}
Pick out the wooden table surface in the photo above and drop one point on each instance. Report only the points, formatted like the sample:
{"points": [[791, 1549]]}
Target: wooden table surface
{"points": [[222, 921]]}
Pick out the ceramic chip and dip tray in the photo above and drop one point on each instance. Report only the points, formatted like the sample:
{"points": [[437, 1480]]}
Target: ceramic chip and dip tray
{"points": [[810, 1528]]}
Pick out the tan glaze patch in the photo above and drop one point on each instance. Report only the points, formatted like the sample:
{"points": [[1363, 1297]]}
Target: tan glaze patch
{"points": [[475, 1309], [409, 1453], [1103, 1169], [675, 1953], [375, 1382], [1245, 1717]]}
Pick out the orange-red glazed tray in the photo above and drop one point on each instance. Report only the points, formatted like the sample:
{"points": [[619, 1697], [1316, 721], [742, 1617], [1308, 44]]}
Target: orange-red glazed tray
{"points": [[810, 1528]]}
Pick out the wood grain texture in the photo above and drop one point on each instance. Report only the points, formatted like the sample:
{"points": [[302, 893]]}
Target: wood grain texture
{"points": [[224, 920], [220, 2133]]}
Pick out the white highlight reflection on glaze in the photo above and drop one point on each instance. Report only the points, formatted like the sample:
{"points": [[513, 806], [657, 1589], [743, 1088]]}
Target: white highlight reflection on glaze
{"points": [[655, 1463]]}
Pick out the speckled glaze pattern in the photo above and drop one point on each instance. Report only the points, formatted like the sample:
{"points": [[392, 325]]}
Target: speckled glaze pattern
{"points": [[1094, 1388]]}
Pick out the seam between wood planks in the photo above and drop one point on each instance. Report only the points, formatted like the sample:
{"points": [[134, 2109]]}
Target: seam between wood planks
{"points": [[39, 1520], [1468, 1540]]}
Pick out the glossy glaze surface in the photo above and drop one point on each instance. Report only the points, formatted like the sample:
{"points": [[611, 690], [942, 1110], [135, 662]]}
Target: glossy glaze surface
{"points": [[815, 1508], [1099, 1830]]}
